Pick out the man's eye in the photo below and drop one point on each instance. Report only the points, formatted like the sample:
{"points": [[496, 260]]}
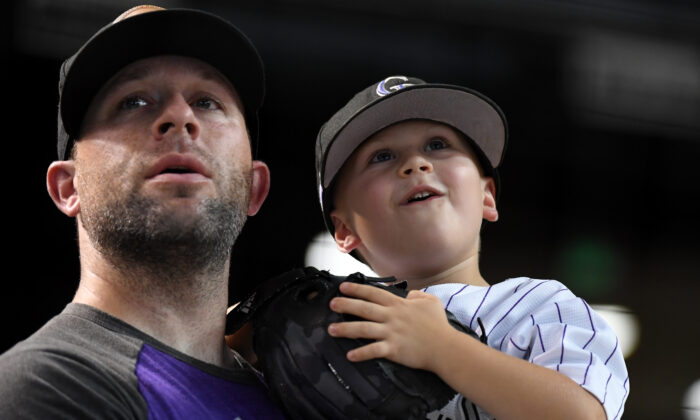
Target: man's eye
{"points": [[381, 156], [436, 144], [206, 103], [133, 102]]}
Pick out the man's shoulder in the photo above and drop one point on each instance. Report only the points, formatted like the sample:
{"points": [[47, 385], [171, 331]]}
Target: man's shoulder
{"points": [[72, 362], [78, 333]]}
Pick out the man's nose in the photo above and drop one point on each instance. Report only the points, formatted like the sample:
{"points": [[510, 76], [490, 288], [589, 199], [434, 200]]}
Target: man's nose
{"points": [[415, 163], [177, 117]]}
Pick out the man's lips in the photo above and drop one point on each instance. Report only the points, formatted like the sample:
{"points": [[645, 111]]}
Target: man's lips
{"points": [[178, 166], [420, 193]]}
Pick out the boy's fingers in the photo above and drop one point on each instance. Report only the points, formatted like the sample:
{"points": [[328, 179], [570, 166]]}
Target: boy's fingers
{"points": [[357, 329], [419, 294], [370, 351], [361, 308], [367, 292]]}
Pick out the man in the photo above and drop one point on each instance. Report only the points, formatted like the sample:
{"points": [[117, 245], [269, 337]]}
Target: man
{"points": [[157, 123]]}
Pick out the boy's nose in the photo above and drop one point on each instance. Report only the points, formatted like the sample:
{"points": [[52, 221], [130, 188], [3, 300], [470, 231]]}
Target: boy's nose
{"points": [[415, 164]]}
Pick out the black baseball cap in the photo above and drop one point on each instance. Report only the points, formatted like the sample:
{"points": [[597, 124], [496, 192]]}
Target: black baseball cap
{"points": [[147, 31], [401, 98]]}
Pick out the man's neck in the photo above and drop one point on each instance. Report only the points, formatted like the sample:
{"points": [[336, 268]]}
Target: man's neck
{"points": [[186, 313]]}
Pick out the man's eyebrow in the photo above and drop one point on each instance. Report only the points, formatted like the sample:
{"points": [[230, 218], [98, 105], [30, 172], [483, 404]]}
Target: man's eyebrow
{"points": [[142, 72], [208, 74], [130, 75], [214, 75]]}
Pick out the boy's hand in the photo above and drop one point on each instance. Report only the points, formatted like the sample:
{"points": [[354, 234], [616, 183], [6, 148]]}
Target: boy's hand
{"points": [[242, 342], [411, 331]]}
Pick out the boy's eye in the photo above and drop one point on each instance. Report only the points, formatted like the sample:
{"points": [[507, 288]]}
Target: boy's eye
{"points": [[381, 156], [206, 103], [132, 102], [436, 144]]}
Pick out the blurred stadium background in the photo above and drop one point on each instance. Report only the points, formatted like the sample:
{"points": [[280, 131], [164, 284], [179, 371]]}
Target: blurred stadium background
{"points": [[600, 178]]}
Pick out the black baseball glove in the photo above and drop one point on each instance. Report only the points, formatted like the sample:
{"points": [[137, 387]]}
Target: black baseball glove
{"points": [[307, 370]]}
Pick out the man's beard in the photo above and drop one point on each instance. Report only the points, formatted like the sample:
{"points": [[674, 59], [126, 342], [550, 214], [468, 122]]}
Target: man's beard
{"points": [[142, 237]]}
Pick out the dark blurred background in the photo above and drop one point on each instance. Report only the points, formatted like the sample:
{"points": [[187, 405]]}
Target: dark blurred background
{"points": [[599, 181]]}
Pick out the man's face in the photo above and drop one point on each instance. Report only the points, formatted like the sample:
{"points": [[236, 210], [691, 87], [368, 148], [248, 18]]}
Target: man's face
{"points": [[164, 156], [414, 196]]}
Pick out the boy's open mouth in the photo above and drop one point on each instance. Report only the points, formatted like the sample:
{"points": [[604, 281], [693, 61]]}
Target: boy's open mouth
{"points": [[421, 196]]}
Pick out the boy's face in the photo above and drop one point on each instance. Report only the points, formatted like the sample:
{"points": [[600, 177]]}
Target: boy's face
{"points": [[411, 199]]}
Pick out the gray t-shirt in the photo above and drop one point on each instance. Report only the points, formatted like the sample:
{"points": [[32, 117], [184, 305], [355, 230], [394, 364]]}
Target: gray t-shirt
{"points": [[86, 364]]}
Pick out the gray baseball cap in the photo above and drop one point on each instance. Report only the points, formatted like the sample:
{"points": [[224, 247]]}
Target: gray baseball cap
{"points": [[147, 31], [401, 98]]}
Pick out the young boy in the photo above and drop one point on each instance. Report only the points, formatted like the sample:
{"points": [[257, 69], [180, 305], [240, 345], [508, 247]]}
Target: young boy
{"points": [[406, 173]]}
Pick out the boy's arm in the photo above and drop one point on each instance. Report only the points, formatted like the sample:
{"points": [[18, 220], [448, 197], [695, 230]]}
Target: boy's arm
{"points": [[415, 333]]}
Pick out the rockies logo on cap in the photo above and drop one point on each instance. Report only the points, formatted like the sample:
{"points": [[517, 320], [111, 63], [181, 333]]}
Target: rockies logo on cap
{"points": [[391, 85]]}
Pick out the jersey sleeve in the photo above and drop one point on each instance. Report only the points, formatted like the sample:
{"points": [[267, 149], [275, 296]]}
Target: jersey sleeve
{"points": [[563, 333], [49, 384]]}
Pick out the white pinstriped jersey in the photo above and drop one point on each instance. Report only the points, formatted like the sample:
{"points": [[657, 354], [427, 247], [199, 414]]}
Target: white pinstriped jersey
{"points": [[543, 322]]}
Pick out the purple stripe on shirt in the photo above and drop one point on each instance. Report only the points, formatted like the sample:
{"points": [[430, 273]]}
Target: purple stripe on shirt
{"points": [[455, 294], [623, 398], [585, 375], [539, 333], [558, 311], [533, 319], [606, 388], [590, 318], [561, 358], [513, 307], [613, 352], [477, 309], [517, 346]]}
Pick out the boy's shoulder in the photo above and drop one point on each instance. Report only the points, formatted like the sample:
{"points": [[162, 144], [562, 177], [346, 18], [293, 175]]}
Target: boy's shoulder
{"points": [[516, 287], [525, 286], [503, 305]]}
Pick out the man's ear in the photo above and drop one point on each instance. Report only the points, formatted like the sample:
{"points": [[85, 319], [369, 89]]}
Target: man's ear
{"points": [[260, 186], [346, 239], [60, 182], [489, 200]]}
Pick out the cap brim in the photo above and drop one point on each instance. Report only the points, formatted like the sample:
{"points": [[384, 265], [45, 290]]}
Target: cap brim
{"points": [[182, 32], [468, 111]]}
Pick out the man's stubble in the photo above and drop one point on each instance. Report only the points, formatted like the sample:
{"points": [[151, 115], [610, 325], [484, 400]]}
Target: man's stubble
{"points": [[143, 238]]}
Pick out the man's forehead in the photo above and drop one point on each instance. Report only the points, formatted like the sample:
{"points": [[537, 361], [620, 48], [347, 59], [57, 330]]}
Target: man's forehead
{"points": [[169, 64]]}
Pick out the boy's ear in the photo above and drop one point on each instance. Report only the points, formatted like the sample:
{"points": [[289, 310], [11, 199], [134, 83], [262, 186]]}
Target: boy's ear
{"points": [[489, 200], [346, 239], [260, 186], [60, 182]]}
